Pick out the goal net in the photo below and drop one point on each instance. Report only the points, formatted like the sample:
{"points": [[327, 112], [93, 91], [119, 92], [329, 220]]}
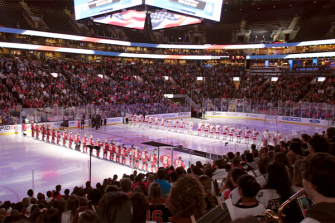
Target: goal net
{"points": [[271, 119]]}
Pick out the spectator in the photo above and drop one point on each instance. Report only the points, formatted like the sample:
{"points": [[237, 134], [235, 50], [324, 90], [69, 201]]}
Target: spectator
{"points": [[89, 216], [262, 167], [157, 202], [126, 186], [184, 200], [318, 144], [220, 171], [173, 178], [140, 207], [56, 195], [236, 172], [319, 184], [116, 207], [70, 211], [210, 199], [165, 186], [51, 215], [248, 205], [250, 161], [30, 194], [49, 195]]}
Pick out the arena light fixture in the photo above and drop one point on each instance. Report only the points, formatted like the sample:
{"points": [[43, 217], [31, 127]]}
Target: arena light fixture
{"points": [[166, 77], [236, 78], [200, 78], [274, 79], [168, 95], [321, 79], [54, 74]]}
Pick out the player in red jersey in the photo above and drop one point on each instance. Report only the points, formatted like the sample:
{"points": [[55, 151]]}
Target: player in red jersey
{"points": [[44, 131], [247, 133], [97, 143], [77, 142], [32, 129], [70, 137], [131, 154], [117, 152], [144, 157], [58, 136], [137, 157], [165, 159], [111, 150], [238, 134], [84, 140], [105, 147], [153, 161], [64, 135], [179, 163], [124, 154], [91, 142], [48, 134], [37, 129], [53, 135]]}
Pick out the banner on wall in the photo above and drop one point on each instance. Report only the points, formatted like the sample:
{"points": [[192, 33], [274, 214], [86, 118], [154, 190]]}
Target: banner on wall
{"points": [[219, 114], [172, 115], [303, 121]]}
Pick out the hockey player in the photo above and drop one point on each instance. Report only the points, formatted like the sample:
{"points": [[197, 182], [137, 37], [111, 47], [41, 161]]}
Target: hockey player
{"points": [[207, 126], [153, 161], [117, 152], [200, 126], [175, 125], [179, 163], [156, 122], [211, 130], [84, 140], [137, 157], [239, 132], [217, 131], [254, 136], [165, 159], [70, 139], [111, 150], [131, 154], [145, 158], [266, 136], [105, 147], [53, 135], [225, 131], [32, 129], [44, 131], [124, 154], [169, 123], [151, 119], [98, 144], [134, 120], [58, 136], [190, 128], [231, 133], [77, 142], [247, 133], [163, 123], [276, 138], [90, 142], [48, 134], [140, 120], [64, 137], [146, 121], [181, 126], [37, 129]]}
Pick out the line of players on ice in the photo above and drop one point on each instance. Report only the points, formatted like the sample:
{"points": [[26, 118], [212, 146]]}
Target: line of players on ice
{"points": [[109, 150], [206, 129]]}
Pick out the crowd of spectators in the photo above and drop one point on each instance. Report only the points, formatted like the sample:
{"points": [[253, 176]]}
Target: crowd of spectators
{"points": [[252, 182]]}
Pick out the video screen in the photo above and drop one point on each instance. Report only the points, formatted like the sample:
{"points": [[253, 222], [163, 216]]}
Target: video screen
{"points": [[163, 20], [208, 9], [86, 8], [129, 19]]}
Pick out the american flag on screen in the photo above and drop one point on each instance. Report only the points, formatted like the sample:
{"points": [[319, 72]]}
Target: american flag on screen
{"points": [[162, 20], [129, 19]]}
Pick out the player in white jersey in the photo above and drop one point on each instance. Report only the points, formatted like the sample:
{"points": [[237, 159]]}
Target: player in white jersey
{"points": [[266, 136], [175, 125], [247, 133], [189, 127], [146, 121], [151, 120], [217, 131], [200, 126], [276, 138], [225, 131], [239, 132], [254, 136], [134, 119], [130, 118], [140, 120], [211, 130], [206, 129], [181, 126], [231, 133], [169, 122], [162, 122], [156, 122]]}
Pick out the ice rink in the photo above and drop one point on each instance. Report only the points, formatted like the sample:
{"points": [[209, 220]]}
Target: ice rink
{"points": [[26, 162]]}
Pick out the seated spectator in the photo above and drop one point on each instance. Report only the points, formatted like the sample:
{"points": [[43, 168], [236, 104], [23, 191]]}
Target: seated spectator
{"points": [[71, 208], [30, 194], [220, 171], [165, 186], [157, 202], [250, 161], [184, 200], [317, 144], [140, 207], [116, 207], [319, 184], [89, 216], [49, 195], [51, 215], [56, 195], [173, 177], [210, 199], [247, 205], [236, 172]]}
